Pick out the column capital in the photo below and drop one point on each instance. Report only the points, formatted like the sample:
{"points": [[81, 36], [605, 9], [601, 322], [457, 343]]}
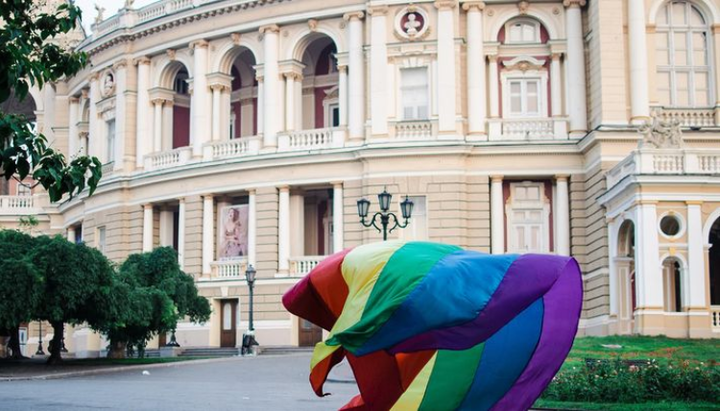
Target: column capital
{"points": [[378, 11], [218, 87], [120, 64], [492, 57], [141, 60], [445, 4], [497, 178], [473, 6], [208, 196], [291, 75], [353, 16], [148, 206], [337, 184], [73, 100], [694, 203], [159, 100], [198, 44], [84, 93], [284, 188], [556, 56], [270, 28], [251, 191], [562, 177], [574, 3], [181, 200]]}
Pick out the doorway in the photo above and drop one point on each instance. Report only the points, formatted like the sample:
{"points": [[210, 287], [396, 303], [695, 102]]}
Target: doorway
{"points": [[228, 322], [310, 334]]}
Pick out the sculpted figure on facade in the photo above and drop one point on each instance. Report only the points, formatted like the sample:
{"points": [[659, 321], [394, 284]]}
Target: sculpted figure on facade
{"points": [[659, 133]]}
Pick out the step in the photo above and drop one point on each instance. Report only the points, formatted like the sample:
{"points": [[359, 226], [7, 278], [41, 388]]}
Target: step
{"points": [[278, 350]]}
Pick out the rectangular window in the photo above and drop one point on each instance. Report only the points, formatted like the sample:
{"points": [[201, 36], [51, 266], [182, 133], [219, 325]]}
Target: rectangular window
{"points": [[417, 229], [525, 97], [101, 239], [414, 90], [110, 141], [23, 190], [528, 219]]}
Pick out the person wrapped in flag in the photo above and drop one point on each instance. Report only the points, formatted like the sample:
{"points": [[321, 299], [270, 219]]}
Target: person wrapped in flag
{"points": [[429, 326]]}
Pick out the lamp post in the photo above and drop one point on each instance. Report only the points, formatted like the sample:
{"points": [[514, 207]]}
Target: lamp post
{"points": [[249, 337], [173, 341], [383, 215], [40, 347]]}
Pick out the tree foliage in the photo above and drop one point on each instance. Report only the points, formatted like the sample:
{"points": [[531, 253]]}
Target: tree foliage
{"points": [[158, 294], [30, 57]]}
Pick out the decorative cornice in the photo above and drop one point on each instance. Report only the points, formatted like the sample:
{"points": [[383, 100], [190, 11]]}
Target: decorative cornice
{"points": [[474, 5], [378, 10], [574, 3], [355, 15]]}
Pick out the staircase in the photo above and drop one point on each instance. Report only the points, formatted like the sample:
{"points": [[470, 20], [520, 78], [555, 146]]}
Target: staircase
{"points": [[285, 350], [210, 352]]}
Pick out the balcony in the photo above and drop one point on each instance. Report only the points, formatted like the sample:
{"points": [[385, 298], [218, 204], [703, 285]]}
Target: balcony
{"points": [[415, 130], [533, 129], [689, 117], [167, 159], [301, 266], [664, 162], [317, 139], [19, 205], [240, 147], [228, 269]]}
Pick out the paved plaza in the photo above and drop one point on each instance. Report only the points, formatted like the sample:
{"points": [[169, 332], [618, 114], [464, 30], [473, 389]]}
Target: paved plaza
{"points": [[266, 383]]}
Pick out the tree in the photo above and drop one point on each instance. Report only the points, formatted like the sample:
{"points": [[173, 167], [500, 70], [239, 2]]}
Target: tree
{"points": [[158, 294], [29, 56], [77, 287], [19, 286]]}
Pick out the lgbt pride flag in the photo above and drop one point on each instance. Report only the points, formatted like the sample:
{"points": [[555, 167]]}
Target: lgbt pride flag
{"points": [[428, 326]]}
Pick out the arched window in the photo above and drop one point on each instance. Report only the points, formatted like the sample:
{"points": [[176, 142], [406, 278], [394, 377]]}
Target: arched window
{"points": [[683, 59], [672, 285], [522, 31]]}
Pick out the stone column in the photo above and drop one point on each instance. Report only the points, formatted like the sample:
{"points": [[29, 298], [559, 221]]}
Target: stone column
{"points": [[562, 218], [71, 235], [271, 90], [697, 274], [497, 215], [343, 94], [378, 71], [639, 95], [208, 238], [73, 142], [121, 85], [476, 87], [338, 217], [199, 102], [649, 281], [284, 230], [261, 105], [576, 67], [166, 228], [252, 227], [494, 87], [147, 244], [143, 141], [94, 129], [446, 86], [356, 62], [556, 110], [181, 233], [216, 111], [158, 123], [290, 78], [167, 127]]}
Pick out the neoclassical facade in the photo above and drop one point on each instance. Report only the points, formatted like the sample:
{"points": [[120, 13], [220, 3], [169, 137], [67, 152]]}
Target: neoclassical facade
{"points": [[244, 131]]}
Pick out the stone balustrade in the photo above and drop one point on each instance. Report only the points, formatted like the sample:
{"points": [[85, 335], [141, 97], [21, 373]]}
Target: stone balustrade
{"points": [[239, 147], [665, 162], [316, 139], [301, 266], [689, 117], [19, 205], [229, 269], [167, 159]]}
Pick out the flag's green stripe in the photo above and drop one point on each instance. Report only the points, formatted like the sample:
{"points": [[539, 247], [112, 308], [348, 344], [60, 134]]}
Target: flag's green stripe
{"points": [[402, 273], [451, 378]]}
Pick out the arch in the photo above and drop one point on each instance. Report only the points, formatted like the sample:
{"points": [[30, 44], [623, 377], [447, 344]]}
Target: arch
{"points": [[674, 288], [706, 6], [542, 33], [228, 52], [545, 18], [167, 69], [305, 37], [626, 239], [710, 222], [713, 238]]}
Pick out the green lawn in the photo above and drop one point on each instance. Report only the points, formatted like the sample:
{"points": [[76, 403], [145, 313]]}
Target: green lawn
{"points": [[658, 348], [654, 406]]}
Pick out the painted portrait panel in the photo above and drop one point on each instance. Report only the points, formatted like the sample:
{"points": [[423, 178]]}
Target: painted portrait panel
{"points": [[234, 232]]}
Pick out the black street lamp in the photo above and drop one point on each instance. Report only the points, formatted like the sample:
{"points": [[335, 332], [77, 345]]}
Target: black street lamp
{"points": [[40, 348], [384, 198], [173, 342], [249, 337]]}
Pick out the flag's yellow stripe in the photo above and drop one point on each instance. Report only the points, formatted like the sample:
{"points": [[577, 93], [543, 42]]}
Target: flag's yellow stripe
{"points": [[413, 396]]}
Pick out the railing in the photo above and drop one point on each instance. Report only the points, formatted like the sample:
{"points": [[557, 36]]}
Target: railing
{"points": [[316, 139], [225, 269], [107, 168], [665, 162], [167, 159], [715, 316], [301, 266], [689, 117], [232, 148], [18, 205], [413, 130], [528, 129]]}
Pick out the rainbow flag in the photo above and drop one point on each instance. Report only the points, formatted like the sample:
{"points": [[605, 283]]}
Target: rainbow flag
{"points": [[428, 326]]}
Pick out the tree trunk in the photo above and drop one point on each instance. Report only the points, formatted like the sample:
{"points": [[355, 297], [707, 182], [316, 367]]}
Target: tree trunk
{"points": [[14, 344], [55, 346], [118, 349]]}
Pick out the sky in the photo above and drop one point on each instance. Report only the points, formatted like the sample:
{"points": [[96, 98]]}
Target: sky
{"points": [[111, 7]]}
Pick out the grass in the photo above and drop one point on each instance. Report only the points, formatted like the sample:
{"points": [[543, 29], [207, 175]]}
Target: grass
{"points": [[662, 349], [654, 406]]}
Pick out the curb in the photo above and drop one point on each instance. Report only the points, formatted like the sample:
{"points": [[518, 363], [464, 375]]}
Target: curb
{"points": [[115, 369]]}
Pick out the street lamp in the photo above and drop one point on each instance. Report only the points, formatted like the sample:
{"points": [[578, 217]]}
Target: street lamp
{"points": [[40, 348], [384, 199], [173, 341], [249, 337]]}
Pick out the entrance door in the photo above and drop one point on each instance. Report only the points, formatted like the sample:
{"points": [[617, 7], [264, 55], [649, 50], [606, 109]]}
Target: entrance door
{"points": [[23, 335], [228, 321], [310, 334]]}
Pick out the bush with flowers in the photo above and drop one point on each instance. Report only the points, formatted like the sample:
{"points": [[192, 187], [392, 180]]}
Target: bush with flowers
{"points": [[618, 382]]}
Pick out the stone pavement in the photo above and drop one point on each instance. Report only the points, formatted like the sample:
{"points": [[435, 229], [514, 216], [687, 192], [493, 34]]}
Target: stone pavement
{"points": [[264, 383]]}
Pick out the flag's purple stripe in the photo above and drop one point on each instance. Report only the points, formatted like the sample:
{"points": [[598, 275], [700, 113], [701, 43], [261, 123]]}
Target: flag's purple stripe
{"points": [[528, 278], [563, 304]]}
